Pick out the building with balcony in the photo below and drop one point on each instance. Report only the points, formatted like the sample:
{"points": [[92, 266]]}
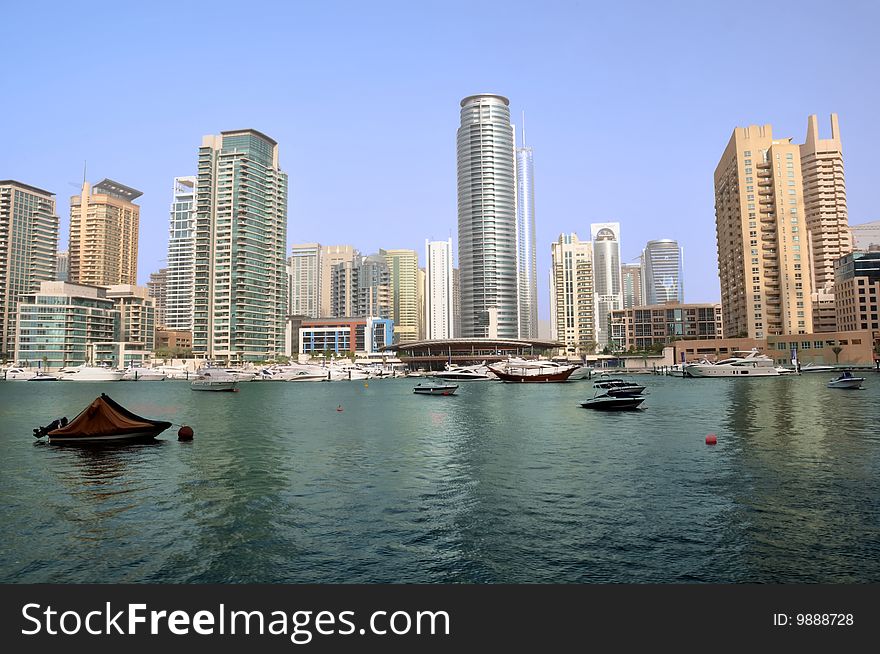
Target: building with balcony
{"points": [[572, 301], [345, 335], [647, 327], [857, 292]]}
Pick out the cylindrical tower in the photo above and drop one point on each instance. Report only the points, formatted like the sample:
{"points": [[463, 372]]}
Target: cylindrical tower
{"points": [[487, 247]]}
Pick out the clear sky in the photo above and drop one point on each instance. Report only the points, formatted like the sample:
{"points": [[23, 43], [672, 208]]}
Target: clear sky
{"points": [[628, 105]]}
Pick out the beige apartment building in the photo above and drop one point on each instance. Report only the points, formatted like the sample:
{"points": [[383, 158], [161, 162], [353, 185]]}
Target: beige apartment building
{"points": [[826, 215], [104, 225], [328, 257], [764, 262], [647, 326], [403, 266], [572, 317]]}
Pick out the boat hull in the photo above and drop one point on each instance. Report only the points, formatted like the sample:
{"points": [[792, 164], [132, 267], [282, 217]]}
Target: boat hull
{"points": [[853, 383], [223, 386], [537, 378], [613, 403], [134, 437], [435, 390], [713, 371]]}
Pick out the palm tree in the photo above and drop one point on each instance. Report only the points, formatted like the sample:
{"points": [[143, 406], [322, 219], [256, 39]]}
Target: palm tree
{"points": [[837, 350]]}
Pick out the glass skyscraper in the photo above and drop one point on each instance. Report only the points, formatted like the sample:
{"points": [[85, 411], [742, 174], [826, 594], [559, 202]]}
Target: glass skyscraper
{"points": [[662, 272], [525, 235], [487, 218], [179, 292], [241, 233], [606, 276]]}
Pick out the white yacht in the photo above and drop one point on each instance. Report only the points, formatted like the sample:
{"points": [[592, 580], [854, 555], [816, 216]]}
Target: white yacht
{"points": [[814, 367], [143, 374], [753, 364], [20, 374], [214, 379], [479, 372], [86, 373]]}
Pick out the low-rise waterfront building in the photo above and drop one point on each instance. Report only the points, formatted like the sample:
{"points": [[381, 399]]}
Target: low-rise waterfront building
{"points": [[342, 335], [857, 292], [645, 327], [435, 354]]}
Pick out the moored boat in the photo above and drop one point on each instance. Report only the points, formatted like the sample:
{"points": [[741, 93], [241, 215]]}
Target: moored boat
{"points": [[43, 376], [533, 374], [143, 374], [20, 374], [815, 367], [103, 421], [479, 372], [86, 373], [214, 380], [753, 364], [435, 389]]}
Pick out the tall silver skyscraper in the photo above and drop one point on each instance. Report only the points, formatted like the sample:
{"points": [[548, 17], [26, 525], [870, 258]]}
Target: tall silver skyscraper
{"points": [[180, 290], [662, 272], [606, 276], [527, 270], [487, 253]]}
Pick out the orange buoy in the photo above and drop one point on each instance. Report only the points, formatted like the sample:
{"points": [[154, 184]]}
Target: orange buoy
{"points": [[339, 408], [711, 439], [185, 433]]}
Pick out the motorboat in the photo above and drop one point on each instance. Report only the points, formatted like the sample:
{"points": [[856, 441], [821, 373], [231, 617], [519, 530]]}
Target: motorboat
{"points": [[214, 379], [20, 374], [533, 374], [86, 373], [813, 367], [479, 372], [103, 421], [242, 375], [435, 389], [143, 374], [43, 376], [175, 372], [753, 364], [676, 371], [294, 372], [347, 372], [846, 380], [619, 387], [782, 370], [606, 402]]}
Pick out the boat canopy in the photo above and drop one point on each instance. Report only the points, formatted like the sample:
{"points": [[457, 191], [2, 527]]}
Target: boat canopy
{"points": [[104, 417]]}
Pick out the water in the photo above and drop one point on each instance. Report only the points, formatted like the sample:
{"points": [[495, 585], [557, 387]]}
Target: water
{"points": [[502, 483]]}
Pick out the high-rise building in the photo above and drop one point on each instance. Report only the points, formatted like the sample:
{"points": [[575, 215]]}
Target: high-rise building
{"points": [[330, 256], [857, 292], [527, 270], [372, 287], [866, 235], [180, 293], [305, 280], [28, 246], [572, 302], [439, 293], [606, 276], [157, 289], [662, 272], [764, 261], [241, 237], [826, 214], [487, 218], [456, 303], [423, 287], [104, 225], [62, 266], [631, 284], [403, 268]]}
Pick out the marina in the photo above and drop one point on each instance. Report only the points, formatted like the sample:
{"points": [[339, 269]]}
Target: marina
{"points": [[357, 482]]}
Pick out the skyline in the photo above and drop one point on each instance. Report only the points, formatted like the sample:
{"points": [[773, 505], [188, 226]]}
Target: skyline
{"points": [[616, 138]]}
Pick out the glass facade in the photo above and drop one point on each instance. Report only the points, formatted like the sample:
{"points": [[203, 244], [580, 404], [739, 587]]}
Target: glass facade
{"points": [[527, 271]]}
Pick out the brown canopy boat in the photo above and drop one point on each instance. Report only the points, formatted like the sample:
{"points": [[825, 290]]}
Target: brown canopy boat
{"points": [[105, 421]]}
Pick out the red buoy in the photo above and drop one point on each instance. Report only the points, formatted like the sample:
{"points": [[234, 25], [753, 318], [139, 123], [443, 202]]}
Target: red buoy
{"points": [[339, 408], [185, 433], [711, 439]]}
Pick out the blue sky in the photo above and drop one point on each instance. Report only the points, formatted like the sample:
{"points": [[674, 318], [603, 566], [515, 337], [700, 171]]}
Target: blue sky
{"points": [[628, 106]]}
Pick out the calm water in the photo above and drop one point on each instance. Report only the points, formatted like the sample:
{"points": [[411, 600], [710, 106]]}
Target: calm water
{"points": [[503, 483]]}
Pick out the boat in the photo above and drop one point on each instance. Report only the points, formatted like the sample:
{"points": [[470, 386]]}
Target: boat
{"points": [[214, 379], [619, 387], [846, 380], [606, 402], [581, 371], [813, 367], [435, 389], [143, 374], [676, 371], [43, 376], [20, 374], [242, 375], [103, 421], [479, 372], [754, 364], [86, 373], [533, 374], [782, 370]]}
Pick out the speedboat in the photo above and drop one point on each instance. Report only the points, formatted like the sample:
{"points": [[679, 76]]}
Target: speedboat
{"points": [[143, 374], [846, 380], [619, 387], [813, 367], [782, 370], [676, 370], [214, 379], [479, 372], [86, 373], [435, 389], [754, 364], [103, 421], [606, 402], [43, 376]]}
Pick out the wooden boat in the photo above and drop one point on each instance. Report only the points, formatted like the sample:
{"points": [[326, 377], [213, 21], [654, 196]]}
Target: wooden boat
{"points": [[533, 375], [435, 389], [103, 421]]}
